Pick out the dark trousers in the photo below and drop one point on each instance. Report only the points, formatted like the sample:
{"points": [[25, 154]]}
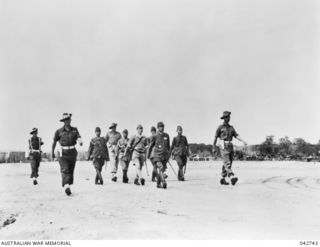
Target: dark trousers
{"points": [[227, 157], [67, 164], [35, 163], [98, 164], [161, 167], [182, 162], [154, 168]]}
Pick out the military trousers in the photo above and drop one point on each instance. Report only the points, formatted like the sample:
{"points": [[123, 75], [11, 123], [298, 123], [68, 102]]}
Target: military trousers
{"points": [[227, 158], [67, 163], [98, 163], [35, 159], [154, 168], [124, 163], [182, 162], [161, 165], [114, 160], [138, 159]]}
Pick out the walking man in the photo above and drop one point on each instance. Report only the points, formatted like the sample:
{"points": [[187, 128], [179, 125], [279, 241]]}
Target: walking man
{"points": [[180, 152], [225, 133], [99, 152], [112, 139], [154, 167], [138, 145], [124, 156], [160, 151], [68, 137], [35, 154]]}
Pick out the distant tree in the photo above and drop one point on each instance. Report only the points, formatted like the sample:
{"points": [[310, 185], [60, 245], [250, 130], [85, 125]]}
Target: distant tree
{"points": [[303, 148], [268, 147], [285, 146], [201, 149]]}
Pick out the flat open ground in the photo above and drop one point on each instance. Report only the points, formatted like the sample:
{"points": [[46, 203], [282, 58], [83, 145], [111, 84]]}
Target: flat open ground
{"points": [[273, 200]]}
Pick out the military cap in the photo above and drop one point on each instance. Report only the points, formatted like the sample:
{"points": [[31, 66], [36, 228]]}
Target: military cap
{"points": [[153, 128], [65, 116], [113, 125], [139, 126], [34, 130], [125, 131], [160, 124], [226, 114], [98, 129], [179, 127]]}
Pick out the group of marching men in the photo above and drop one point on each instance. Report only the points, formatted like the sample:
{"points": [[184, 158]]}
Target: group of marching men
{"points": [[119, 149]]}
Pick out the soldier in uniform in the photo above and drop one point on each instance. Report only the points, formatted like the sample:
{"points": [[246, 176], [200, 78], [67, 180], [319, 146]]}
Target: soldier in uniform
{"points": [[160, 151], [138, 144], [35, 154], [99, 151], [180, 152], [67, 137], [225, 133], [154, 170], [124, 156], [112, 139]]}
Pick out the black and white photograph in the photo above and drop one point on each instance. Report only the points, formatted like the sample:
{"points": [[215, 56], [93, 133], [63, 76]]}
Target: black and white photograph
{"points": [[159, 120]]}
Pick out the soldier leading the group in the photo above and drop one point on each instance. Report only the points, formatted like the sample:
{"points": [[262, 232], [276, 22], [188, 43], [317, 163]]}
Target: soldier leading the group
{"points": [[180, 152], [225, 133], [99, 152], [112, 139], [160, 151], [35, 154], [67, 136]]}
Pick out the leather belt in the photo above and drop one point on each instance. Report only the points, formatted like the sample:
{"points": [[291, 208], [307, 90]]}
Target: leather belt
{"points": [[68, 147], [228, 142]]}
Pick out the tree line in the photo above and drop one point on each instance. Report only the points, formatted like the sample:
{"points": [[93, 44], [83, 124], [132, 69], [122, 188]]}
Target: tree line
{"points": [[269, 149]]}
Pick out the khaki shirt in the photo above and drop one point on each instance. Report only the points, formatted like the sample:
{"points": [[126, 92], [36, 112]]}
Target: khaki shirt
{"points": [[122, 146], [160, 146], [112, 138], [226, 132], [35, 143], [67, 137], [139, 143], [98, 148], [180, 146]]}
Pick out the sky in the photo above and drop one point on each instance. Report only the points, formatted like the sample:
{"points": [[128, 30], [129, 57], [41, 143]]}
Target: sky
{"points": [[142, 61]]}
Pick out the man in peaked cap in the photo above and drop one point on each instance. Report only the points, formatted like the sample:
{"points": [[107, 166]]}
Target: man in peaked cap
{"points": [[226, 133], [35, 143], [99, 152], [112, 138], [160, 151], [68, 137], [180, 152]]}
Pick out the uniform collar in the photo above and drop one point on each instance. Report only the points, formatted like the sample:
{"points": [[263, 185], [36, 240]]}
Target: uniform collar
{"points": [[64, 128], [226, 124]]}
